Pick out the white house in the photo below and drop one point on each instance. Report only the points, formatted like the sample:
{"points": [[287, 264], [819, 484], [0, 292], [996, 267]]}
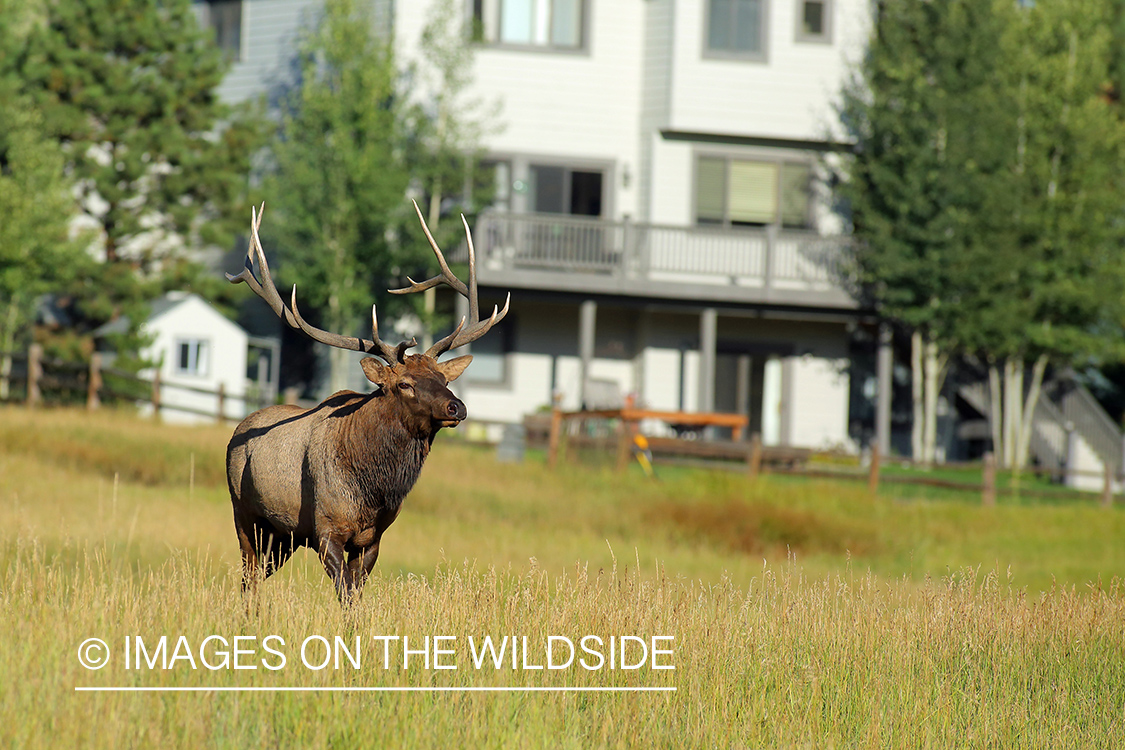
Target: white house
{"points": [[199, 351], [658, 218]]}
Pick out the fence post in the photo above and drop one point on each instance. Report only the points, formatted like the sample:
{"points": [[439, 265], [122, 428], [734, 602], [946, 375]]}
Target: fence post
{"points": [[156, 393], [94, 384], [754, 456], [553, 438], [873, 471], [988, 477], [34, 374], [222, 402], [625, 443], [1107, 487]]}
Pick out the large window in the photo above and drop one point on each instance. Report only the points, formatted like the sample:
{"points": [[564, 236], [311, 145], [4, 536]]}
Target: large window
{"points": [[561, 190], [814, 21], [748, 192], [191, 356], [551, 24], [736, 28], [224, 18]]}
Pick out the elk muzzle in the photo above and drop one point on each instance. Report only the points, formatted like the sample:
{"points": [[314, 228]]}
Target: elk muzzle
{"points": [[452, 413]]}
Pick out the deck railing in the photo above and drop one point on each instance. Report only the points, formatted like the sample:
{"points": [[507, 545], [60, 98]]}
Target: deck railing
{"points": [[763, 257]]}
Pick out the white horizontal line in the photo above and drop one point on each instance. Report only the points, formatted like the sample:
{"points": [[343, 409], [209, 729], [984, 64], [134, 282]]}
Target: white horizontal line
{"points": [[373, 689]]}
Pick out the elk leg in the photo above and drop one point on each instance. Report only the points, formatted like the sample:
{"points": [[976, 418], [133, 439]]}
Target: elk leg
{"points": [[250, 572], [370, 555], [332, 557], [360, 562], [279, 548]]}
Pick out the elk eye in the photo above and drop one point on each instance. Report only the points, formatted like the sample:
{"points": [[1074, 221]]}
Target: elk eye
{"points": [[406, 387]]}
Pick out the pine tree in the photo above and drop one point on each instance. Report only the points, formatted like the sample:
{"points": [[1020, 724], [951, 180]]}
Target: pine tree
{"points": [[128, 89]]}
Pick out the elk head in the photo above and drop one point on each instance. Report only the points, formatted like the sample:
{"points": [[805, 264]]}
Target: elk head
{"points": [[418, 382]]}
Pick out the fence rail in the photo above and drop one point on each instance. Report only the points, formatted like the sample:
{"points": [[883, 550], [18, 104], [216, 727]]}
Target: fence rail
{"points": [[87, 382], [616, 433]]}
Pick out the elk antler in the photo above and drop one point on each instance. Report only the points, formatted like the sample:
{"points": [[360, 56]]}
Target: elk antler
{"points": [[476, 327], [292, 316]]}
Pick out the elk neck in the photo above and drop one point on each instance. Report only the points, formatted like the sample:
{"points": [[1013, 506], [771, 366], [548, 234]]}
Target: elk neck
{"points": [[381, 448]]}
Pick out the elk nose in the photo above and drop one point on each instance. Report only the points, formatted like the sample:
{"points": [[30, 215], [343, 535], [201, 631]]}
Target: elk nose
{"points": [[455, 409]]}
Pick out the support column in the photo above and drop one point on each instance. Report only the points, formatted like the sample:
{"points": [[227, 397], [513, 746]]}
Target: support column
{"points": [[587, 323], [884, 367], [771, 401], [708, 340], [742, 394]]}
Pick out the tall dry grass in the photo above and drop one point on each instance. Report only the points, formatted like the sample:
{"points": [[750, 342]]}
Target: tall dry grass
{"points": [[912, 632], [847, 661]]}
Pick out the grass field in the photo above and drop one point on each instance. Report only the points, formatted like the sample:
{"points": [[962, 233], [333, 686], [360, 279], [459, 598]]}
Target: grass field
{"points": [[794, 612]]}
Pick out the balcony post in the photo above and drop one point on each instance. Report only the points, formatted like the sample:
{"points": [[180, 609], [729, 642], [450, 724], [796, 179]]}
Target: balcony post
{"points": [[768, 261]]}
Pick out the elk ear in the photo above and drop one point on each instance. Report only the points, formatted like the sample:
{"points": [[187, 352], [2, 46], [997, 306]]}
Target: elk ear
{"points": [[375, 370], [454, 367]]}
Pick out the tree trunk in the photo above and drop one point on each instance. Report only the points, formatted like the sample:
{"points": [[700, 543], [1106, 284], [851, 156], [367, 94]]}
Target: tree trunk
{"points": [[7, 345], [934, 378], [995, 415], [916, 396], [429, 297], [1011, 410], [1037, 371]]}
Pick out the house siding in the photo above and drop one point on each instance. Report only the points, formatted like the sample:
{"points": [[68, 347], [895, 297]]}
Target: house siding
{"points": [[193, 318]]}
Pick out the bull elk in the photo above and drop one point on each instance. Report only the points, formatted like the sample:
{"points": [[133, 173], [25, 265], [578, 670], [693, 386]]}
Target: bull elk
{"points": [[334, 477]]}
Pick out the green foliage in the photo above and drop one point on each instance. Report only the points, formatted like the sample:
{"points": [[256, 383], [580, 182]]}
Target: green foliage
{"points": [[985, 188], [928, 114], [128, 89], [35, 250], [338, 175], [354, 139]]}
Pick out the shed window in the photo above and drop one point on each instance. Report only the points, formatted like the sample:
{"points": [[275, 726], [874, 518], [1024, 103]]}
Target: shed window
{"points": [[192, 356]]}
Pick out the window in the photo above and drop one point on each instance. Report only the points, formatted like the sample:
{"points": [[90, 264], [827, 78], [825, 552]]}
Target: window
{"points": [[224, 19], [561, 190], [191, 356], [551, 24], [736, 28], [814, 21], [746, 192]]}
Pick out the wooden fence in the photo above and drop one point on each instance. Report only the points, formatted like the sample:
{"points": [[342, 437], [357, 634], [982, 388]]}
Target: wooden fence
{"points": [[619, 433], [75, 381]]}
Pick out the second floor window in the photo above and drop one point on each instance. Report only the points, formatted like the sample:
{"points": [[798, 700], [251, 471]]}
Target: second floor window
{"points": [[814, 21], [551, 24], [748, 192], [736, 28], [224, 19], [561, 190]]}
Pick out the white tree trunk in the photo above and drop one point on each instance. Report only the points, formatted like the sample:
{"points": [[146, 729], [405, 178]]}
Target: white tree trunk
{"points": [[916, 396], [1037, 371], [995, 416], [934, 378], [1010, 412]]}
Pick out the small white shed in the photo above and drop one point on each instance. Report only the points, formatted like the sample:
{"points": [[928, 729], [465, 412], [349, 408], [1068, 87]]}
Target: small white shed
{"points": [[198, 351]]}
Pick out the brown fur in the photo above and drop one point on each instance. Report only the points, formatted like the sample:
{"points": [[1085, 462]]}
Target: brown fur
{"points": [[333, 477]]}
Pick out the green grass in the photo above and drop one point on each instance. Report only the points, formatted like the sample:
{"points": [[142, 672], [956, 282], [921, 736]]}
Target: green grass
{"points": [[804, 612]]}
